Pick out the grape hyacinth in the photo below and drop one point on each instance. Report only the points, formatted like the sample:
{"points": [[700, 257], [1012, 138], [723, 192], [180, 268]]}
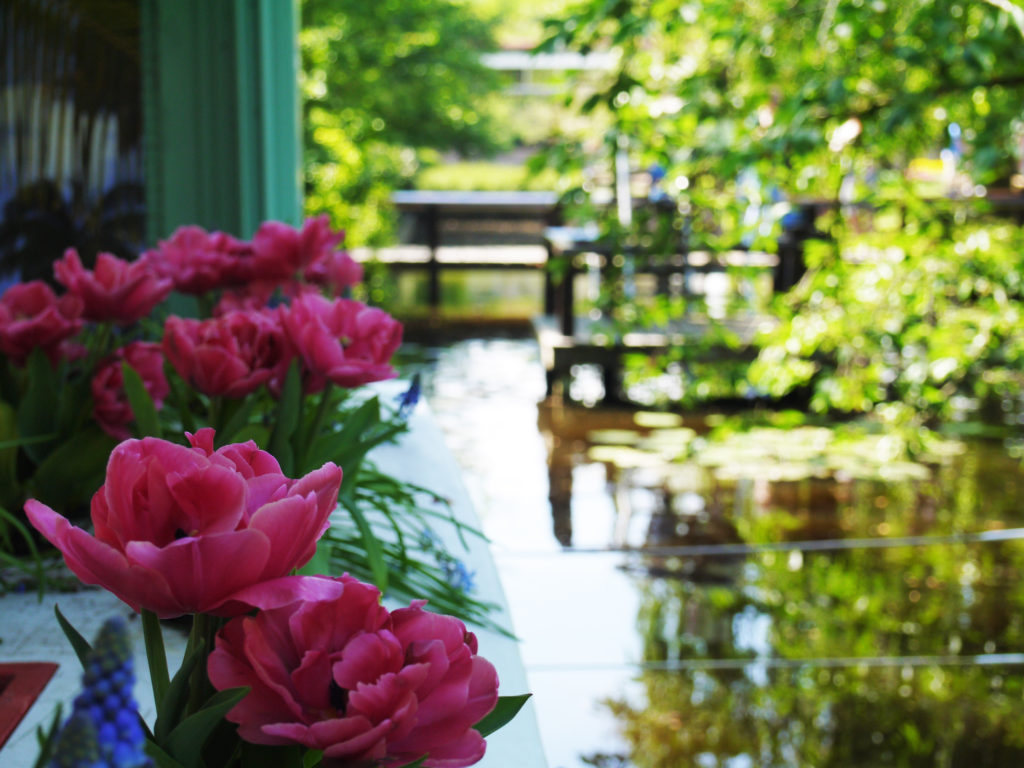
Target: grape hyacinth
{"points": [[408, 399], [455, 571], [104, 730], [75, 746]]}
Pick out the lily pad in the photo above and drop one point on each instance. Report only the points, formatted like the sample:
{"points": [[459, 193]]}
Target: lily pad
{"points": [[614, 436], [657, 420], [624, 457]]}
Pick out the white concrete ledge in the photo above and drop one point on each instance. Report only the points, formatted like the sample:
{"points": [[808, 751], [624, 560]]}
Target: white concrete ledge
{"points": [[421, 457]]}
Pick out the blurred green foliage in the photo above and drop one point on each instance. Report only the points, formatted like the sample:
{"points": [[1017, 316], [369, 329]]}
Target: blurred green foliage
{"points": [[750, 105], [926, 317], [385, 84], [469, 176]]}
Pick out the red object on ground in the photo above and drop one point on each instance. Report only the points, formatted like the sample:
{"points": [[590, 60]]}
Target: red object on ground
{"points": [[20, 686]]}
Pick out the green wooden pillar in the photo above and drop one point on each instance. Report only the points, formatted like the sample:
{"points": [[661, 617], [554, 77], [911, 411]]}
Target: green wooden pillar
{"points": [[221, 114]]}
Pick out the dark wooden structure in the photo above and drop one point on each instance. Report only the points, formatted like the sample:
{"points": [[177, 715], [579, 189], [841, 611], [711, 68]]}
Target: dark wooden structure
{"points": [[448, 218]]}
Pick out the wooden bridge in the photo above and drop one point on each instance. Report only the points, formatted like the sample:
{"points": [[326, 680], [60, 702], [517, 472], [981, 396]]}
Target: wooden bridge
{"points": [[444, 231]]}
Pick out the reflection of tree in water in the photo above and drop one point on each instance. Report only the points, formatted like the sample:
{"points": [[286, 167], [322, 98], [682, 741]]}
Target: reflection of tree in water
{"points": [[761, 666], [820, 717]]}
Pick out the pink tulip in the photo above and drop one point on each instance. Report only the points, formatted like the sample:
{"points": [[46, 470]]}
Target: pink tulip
{"points": [[116, 290], [259, 295], [181, 530], [32, 316], [336, 270], [330, 669], [232, 355], [111, 408], [342, 341], [280, 251], [198, 261]]}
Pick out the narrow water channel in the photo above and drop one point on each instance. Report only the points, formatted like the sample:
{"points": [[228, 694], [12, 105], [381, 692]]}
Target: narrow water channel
{"points": [[765, 598]]}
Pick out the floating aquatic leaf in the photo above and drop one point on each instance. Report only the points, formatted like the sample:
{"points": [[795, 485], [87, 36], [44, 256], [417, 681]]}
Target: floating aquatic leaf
{"points": [[657, 420]]}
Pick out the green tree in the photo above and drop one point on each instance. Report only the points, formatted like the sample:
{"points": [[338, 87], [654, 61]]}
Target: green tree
{"points": [[383, 83], [823, 100], [716, 86]]}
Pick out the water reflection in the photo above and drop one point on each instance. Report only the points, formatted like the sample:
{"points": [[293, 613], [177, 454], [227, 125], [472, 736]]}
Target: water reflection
{"points": [[781, 597], [856, 716], [824, 619]]}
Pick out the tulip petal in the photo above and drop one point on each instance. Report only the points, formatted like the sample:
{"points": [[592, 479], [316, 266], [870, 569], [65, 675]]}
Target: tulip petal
{"points": [[277, 593], [312, 680], [227, 669], [468, 749], [366, 658], [202, 578], [332, 624], [292, 526], [95, 562], [354, 737], [325, 483]]}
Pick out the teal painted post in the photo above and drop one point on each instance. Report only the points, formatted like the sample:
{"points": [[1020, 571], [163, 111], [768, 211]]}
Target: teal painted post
{"points": [[221, 114]]}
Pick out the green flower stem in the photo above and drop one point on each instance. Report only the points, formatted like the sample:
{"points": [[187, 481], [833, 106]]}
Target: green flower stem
{"points": [[204, 630], [216, 412], [100, 346], [180, 397], [155, 655], [205, 302], [302, 451]]}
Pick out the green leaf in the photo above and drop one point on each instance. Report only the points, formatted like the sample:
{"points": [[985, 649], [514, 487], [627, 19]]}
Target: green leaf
{"points": [[36, 565], [37, 412], [180, 395], [161, 758], [78, 643], [346, 446], [46, 738], [289, 409], [320, 563], [9, 444], [264, 756], [155, 655], [73, 472], [185, 742], [374, 551], [312, 758], [240, 411], [175, 698], [506, 709], [143, 408]]}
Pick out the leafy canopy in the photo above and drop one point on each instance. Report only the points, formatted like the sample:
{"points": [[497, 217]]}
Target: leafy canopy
{"points": [[381, 83]]}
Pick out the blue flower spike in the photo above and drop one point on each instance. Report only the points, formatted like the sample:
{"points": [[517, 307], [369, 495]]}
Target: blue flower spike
{"points": [[107, 707], [408, 399], [76, 745]]}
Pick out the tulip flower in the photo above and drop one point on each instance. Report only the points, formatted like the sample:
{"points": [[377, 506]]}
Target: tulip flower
{"points": [[331, 669], [341, 341], [181, 529], [32, 316], [118, 291]]}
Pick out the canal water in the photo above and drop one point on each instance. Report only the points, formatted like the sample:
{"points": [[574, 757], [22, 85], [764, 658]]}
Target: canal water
{"points": [[694, 593]]}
